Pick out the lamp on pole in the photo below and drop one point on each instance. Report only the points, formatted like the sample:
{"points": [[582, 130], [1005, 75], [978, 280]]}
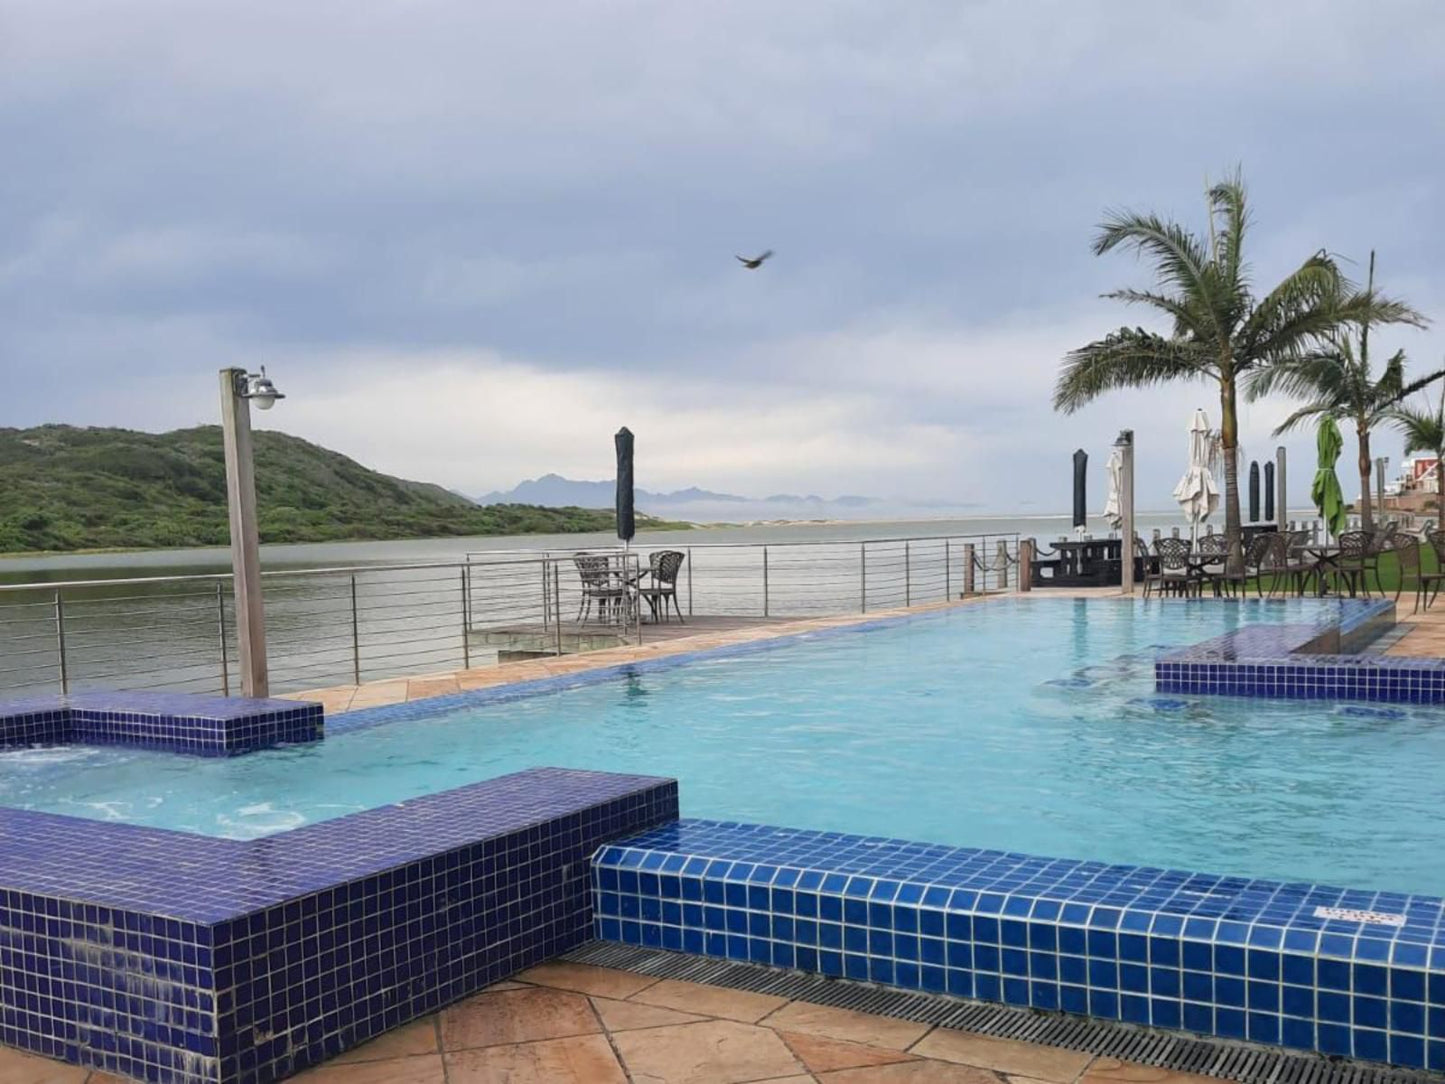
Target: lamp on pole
{"points": [[239, 389]]}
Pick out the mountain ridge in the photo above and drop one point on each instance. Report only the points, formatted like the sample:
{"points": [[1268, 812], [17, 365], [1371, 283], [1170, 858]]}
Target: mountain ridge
{"points": [[704, 505], [68, 487]]}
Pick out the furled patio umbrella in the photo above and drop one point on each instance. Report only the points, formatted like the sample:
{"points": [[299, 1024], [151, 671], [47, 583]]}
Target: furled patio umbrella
{"points": [[1196, 493], [1113, 507], [1254, 491], [1268, 491], [1325, 492], [1081, 478], [626, 516]]}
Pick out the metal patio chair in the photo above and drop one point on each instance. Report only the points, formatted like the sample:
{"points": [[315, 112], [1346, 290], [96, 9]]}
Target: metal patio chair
{"points": [[1430, 581], [1406, 549], [1173, 572], [662, 569], [604, 582], [1215, 574], [1359, 556]]}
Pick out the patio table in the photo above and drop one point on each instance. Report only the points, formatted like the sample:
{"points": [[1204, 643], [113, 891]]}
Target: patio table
{"points": [[1325, 559]]}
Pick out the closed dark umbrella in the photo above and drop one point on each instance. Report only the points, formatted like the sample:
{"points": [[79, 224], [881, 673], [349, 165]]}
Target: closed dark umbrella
{"points": [[626, 516], [1254, 491], [1268, 491], [1081, 503]]}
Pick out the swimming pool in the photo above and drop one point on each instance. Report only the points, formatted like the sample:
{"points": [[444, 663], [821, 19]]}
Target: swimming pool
{"points": [[1029, 725]]}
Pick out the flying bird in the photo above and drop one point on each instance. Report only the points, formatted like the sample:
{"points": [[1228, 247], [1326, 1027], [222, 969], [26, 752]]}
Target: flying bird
{"points": [[756, 262]]}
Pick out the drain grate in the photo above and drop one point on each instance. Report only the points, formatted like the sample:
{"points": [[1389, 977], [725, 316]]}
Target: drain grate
{"points": [[1244, 1062]]}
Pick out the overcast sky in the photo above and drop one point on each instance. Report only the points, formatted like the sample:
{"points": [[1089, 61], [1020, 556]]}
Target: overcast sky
{"points": [[471, 240]]}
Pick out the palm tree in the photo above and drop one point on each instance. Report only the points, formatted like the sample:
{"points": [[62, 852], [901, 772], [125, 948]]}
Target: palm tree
{"points": [[1424, 431], [1335, 380], [1220, 332]]}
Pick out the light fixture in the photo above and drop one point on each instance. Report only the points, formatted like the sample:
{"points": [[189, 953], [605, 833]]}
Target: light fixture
{"points": [[257, 387]]}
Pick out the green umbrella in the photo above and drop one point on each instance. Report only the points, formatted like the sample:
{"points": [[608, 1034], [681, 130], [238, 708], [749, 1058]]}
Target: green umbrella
{"points": [[1325, 491]]}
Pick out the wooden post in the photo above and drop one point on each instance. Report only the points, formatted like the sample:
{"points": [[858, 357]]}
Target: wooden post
{"points": [[1001, 560], [1125, 444], [1026, 564], [245, 541], [968, 568]]}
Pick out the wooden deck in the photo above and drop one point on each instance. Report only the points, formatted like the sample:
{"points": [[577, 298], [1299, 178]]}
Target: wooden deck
{"points": [[538, 640]]}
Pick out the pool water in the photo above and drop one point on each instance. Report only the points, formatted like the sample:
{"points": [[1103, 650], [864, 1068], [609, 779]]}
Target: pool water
{"points": [[1028, 725]]}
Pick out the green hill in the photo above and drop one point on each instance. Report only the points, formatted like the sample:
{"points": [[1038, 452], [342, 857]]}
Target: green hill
{"points": [[68, 488]]}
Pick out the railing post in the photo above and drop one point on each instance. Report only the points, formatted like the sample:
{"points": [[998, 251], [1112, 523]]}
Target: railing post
{"points": [[765, 581], [221, 636], [907, 576], [968, 568], [947, 571], [1002, 561], [863, 575], [557, 606], [466, 627], [60, 643], [1026, 564], [355, 637], [689, 581], [637, 602]]}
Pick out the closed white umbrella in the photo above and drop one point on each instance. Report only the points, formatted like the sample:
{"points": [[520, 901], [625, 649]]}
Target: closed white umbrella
{"points": [[1113, 509], [1196, 493]]}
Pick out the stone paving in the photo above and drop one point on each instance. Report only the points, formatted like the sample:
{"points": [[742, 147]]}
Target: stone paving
{"points": [[573, 1024]]}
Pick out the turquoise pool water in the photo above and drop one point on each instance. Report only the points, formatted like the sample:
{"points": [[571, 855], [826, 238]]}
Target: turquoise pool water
{"points": [[1026, 725]]}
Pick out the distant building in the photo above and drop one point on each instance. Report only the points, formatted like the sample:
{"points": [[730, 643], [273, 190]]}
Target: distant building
{"points": [[1415, 489]]}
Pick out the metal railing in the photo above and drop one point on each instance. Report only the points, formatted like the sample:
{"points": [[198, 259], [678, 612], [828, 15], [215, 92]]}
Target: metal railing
{"points": [[807, 579], [342, 626]]}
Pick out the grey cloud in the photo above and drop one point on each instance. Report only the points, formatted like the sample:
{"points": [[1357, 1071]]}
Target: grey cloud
{"points": [[564, 185]]}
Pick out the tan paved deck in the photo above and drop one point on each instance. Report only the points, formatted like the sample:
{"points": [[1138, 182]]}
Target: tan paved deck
{"points": [[573, 1024], [1427, 630]]}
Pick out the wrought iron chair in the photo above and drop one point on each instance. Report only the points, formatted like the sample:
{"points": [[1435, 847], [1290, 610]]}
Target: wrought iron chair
{"points": [[1406, 549], [1359, 556], [662, 569], [1172, 573], [1266, 554], [1430, 581], [1216, 572], [604, 582]]}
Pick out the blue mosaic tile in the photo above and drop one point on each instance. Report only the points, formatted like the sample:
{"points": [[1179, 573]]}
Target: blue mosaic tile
{"points": [[1304, 662], [169, 956], [172, 722], [1337, 970]]}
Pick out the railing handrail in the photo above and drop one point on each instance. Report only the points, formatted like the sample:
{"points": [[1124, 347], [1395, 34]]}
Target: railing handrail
{"points": [[760, 545], [274, 573]]}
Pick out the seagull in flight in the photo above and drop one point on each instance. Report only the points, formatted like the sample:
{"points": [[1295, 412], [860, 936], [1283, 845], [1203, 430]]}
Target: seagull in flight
{"points": [[756, 262]]}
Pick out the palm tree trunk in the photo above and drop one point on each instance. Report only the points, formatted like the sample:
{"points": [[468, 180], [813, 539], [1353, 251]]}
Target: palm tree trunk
{"points": [[1229, 439], [1362, 429]]}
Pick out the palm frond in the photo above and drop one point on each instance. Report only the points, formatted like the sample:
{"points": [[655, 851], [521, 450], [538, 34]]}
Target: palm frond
{"points": [[1422, 427], [1317, 409], [1229, 211], [1372, 308], [1322, 373], [1128, 358], [1181, 261], [1296, 314], [1186, 319], [1398, 394]]}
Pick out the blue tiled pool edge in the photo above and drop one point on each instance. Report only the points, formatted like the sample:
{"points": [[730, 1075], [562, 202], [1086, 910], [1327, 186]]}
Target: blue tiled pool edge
{"points": [[1226, 957], [183, 958], [1305, 662], [169, 722]]}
